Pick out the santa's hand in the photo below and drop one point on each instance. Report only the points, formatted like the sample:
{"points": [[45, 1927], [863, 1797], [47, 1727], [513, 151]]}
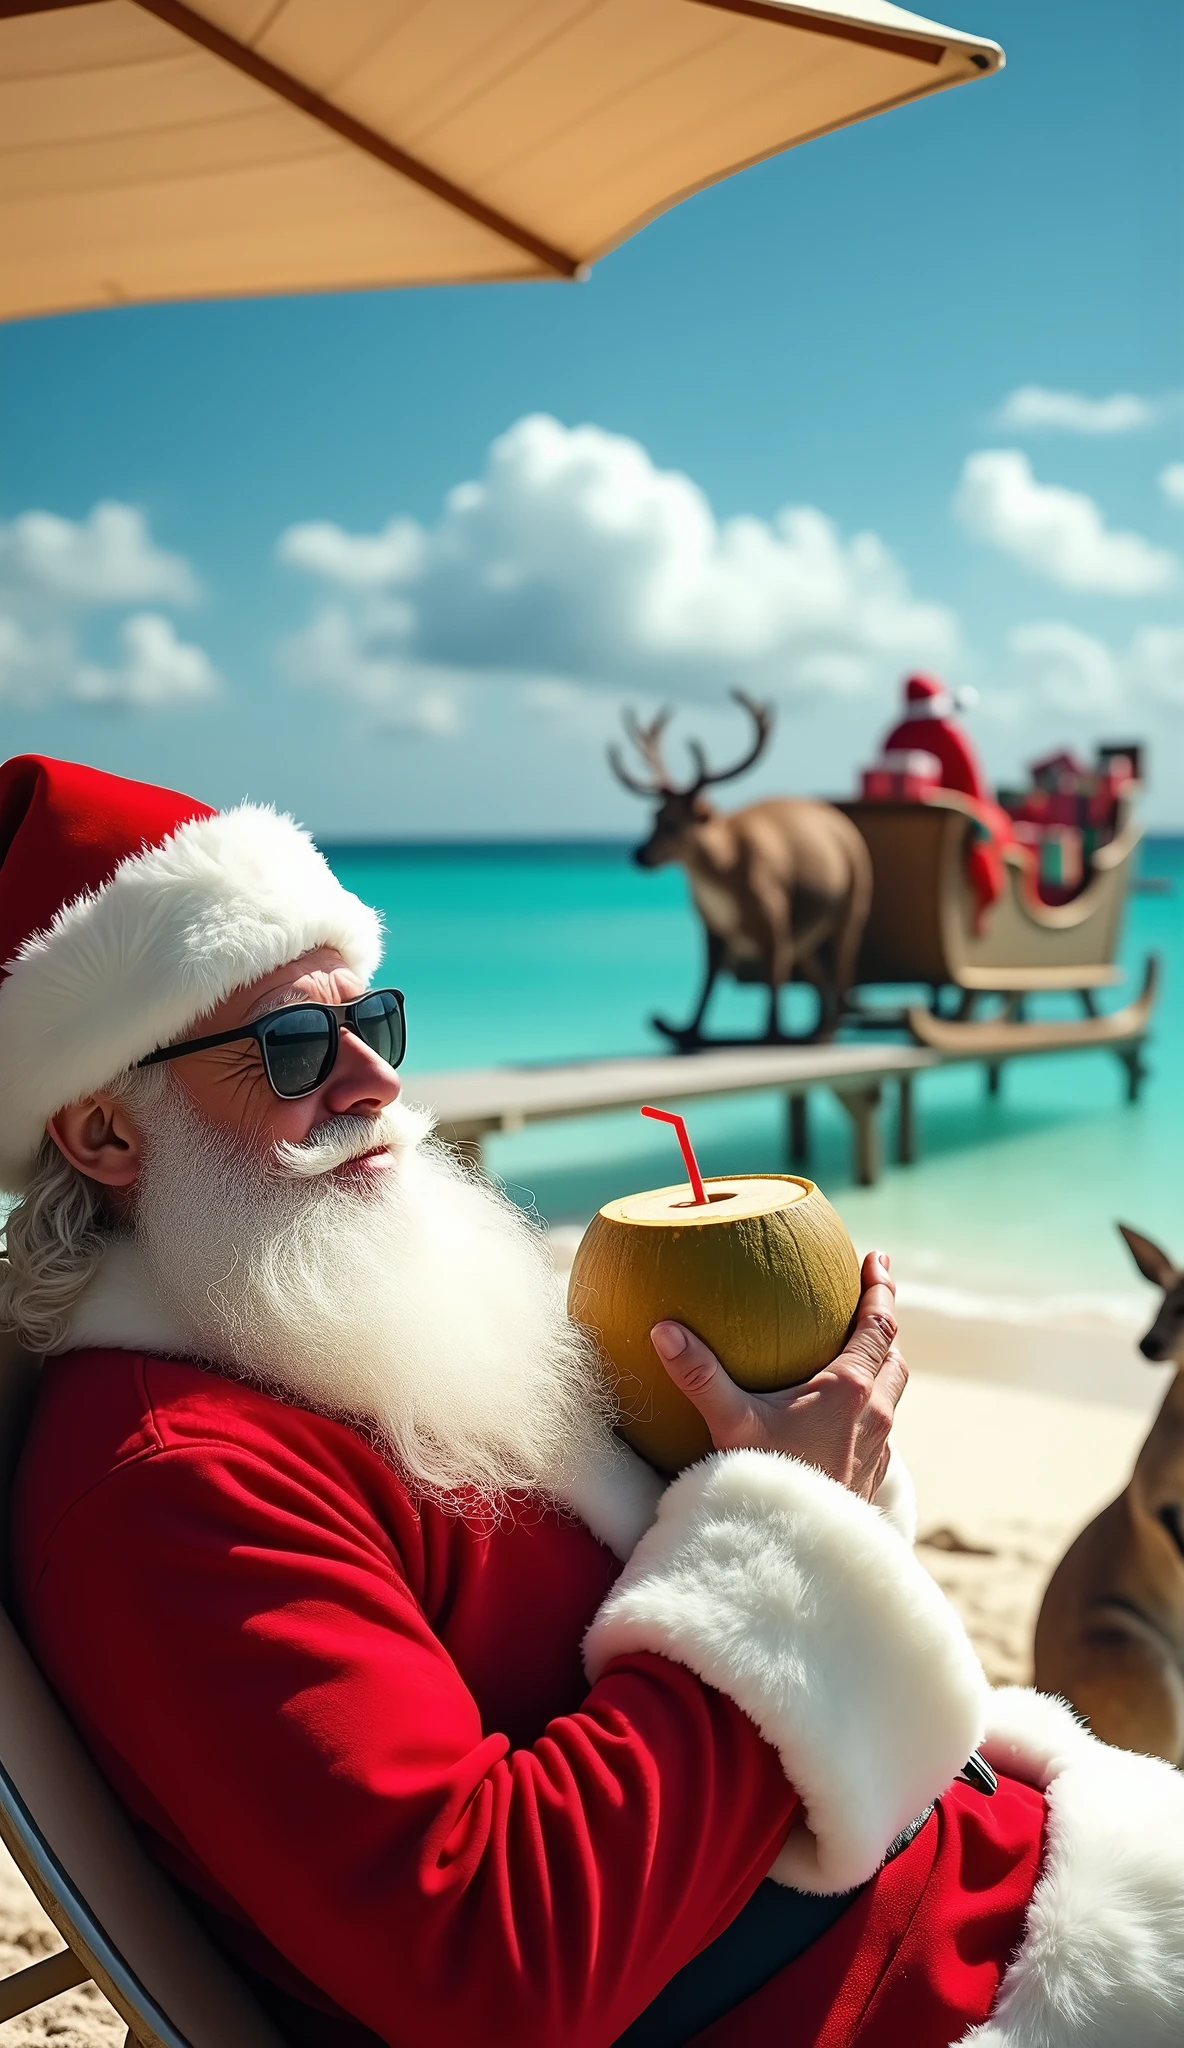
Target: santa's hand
{"points": [[839, 1421]]}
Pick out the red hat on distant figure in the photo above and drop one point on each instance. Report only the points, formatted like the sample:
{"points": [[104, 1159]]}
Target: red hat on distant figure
{"points": [[923, 689], [126, 913]]}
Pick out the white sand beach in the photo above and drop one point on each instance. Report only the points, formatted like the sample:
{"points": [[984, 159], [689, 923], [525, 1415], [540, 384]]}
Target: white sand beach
{"points": [[1008, 1467]]}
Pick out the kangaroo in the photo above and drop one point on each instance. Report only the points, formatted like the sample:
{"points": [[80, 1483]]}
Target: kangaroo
{"points": [[1110, 1633]]}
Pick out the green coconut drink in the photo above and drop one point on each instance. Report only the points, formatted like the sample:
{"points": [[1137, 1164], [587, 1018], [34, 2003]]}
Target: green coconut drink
{"points": [[762, 1270]]}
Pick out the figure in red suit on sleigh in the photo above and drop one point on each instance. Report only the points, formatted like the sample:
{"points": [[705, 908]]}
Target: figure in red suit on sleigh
{"points": [[929, 726], [450, 1721]]}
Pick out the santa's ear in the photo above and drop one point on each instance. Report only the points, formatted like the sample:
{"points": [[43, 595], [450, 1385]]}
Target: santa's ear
{"points": [[99, 1137], [1153, 1263]]}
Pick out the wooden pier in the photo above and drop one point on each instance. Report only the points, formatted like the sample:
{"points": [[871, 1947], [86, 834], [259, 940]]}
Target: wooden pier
{"points": [[473, 1103]]}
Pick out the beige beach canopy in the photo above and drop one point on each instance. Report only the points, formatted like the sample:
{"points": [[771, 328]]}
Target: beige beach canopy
{"points": [[152, 150]]}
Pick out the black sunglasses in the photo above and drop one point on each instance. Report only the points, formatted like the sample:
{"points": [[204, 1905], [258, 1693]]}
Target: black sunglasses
{"points": [[299, 1042]]}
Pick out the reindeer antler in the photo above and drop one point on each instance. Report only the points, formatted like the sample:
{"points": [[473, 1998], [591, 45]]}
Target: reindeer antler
{"points": [[762, 717], [648, 741]]}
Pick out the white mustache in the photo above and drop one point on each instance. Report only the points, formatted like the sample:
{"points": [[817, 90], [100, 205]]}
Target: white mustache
{"points": [[398, 1129]]}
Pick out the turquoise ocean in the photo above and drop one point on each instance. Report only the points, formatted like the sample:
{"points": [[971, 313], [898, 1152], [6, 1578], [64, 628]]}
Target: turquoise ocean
{"points": [[512, 953]]}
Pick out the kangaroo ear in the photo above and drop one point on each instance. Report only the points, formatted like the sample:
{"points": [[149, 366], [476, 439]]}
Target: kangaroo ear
{"points": [[1153, 1263]]}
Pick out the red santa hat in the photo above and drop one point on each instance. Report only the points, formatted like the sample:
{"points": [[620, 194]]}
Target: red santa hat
{"points": [[927, 694], [126, 913]]}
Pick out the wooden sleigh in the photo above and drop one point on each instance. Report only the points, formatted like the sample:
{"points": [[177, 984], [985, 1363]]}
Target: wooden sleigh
{"points": [[922, 928]]}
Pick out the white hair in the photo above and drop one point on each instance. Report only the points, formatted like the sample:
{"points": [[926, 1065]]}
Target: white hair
{"points": [[56, 1234]]}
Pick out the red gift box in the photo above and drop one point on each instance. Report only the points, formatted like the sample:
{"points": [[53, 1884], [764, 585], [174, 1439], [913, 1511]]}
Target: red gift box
{"points": [[904, 777], [1062, 861]]}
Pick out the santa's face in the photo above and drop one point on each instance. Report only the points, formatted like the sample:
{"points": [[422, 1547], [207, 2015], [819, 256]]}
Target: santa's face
{"points": [[230, 1088]]}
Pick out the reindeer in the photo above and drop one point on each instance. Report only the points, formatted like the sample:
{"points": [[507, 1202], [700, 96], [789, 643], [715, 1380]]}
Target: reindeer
{"points": [[782, 887], [1110, 1633]]}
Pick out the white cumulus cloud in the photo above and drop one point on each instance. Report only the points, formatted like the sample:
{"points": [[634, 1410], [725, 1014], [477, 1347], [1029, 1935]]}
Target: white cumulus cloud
{"points": [[55, 574], [574, 559], [357, 561], [359, 654], [154, 669], [1077, 672], [1053, 532], [35, 665], [1071, 669], [1171, 482], [1034, 408], [108, 558]]}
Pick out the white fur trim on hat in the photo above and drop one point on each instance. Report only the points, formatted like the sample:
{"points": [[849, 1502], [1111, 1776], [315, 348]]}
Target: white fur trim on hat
{"points": [[1102, 1960], [222, 901], [804, 1606]]}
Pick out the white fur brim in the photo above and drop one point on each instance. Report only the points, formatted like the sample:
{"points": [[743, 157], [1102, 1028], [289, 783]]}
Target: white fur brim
{"points": [[897, 1499], [223, 900], [802, 1604], [1101, 1964]]}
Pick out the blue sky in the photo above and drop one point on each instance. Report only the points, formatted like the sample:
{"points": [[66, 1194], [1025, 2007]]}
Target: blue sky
{"points": [[282, 604]]}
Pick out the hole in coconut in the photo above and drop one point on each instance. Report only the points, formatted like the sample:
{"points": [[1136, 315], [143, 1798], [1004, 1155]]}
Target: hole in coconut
{"points": [[725, 1195]]}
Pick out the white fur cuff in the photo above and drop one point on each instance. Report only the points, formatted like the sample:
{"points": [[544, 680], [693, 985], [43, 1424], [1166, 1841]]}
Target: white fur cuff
{"points": [[897, 1499], [1102, 1960], [801, 1603]]}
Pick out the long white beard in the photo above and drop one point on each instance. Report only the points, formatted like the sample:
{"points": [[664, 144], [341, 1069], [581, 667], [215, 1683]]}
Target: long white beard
{"points": [[419, 1306]]}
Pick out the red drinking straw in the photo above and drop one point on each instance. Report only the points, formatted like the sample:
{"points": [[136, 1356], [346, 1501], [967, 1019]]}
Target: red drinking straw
{"points": [[667, 1116]]}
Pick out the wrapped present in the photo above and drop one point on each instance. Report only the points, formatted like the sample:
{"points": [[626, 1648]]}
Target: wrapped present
{"points": [[1030, 807], [1122, 760], [1062, 860], [1064, 808], [904, 777], [1060, 773]]}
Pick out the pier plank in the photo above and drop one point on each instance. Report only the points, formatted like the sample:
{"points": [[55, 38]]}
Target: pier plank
{"points": [[472, 1103]]}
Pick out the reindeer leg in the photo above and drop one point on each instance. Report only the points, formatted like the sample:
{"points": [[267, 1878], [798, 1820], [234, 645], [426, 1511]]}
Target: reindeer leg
{"points": [[838, 956], [779, 960], [823, 972], [714, 960], [691, 1035]]}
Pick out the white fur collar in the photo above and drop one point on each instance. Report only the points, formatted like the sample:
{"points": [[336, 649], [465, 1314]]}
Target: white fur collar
{"points": [[121, 1310]]}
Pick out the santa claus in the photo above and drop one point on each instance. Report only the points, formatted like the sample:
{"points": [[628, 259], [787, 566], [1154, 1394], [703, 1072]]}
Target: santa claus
{"points": [[451, 1723], [929, 726]]}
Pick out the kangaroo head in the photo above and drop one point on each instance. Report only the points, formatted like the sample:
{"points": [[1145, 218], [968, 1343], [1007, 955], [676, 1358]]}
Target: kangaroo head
{"points": [[1165, 1338]]}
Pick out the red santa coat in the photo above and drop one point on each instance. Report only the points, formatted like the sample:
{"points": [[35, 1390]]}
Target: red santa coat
{"points": [[358, 1730], [963, 772], [961, 768]]}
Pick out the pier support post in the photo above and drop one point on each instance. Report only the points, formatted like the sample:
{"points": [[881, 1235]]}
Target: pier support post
{"points": [[906, 1125], [799, 1129], [1136, 1069], [863, 1107]]}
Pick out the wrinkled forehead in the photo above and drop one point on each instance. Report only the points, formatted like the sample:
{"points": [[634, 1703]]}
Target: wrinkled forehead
{"points": [[320, 976]]}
